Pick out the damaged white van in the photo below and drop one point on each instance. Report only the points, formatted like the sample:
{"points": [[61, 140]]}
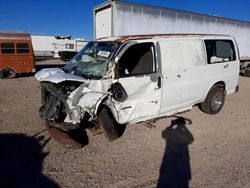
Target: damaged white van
{"points": [[129, 79]]}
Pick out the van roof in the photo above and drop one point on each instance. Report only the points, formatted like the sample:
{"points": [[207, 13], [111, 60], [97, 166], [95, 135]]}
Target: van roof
{"points": [[4, 35], [150, 36]]}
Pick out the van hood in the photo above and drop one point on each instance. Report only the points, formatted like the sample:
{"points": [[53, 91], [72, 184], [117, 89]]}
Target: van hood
{"points": [[57, 75]]}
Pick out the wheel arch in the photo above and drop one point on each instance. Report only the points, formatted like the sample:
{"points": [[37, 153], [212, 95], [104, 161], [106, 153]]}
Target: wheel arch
{"points": [[105, 102], [220, 84], [112, 110], [6, 68]]}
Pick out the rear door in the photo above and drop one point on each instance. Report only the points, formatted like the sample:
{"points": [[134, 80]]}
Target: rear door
{"points": [[24, 56], [222, 63], [7, 54], [103, 24]]}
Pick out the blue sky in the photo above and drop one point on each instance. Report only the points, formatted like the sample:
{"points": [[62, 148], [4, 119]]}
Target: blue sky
{"points": [[75, 17]]}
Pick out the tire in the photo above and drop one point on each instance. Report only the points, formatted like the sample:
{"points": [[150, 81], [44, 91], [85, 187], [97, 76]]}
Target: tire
{"points": [[7, 73], [247, 73], [1, 74], [108, 124], [214, 100]]}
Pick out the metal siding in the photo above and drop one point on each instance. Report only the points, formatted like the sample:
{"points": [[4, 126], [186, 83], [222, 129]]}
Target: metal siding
{"points": [[43, 43], [103, 23], [131, 19]]}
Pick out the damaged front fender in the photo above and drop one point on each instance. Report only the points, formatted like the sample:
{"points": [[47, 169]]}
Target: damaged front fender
{"points": [[66, 98], [83, 100]]}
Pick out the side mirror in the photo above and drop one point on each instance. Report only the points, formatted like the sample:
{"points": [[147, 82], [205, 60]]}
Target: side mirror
{"points": [[115, 72], [118, 92]]}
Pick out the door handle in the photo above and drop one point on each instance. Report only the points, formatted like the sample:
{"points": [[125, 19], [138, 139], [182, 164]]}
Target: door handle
{"points": [[159, 82], [225, 66]]}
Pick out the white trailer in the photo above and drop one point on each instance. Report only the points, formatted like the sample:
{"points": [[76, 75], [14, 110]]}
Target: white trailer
{"points": [[48, 47], [43, 46], [118, 18]]}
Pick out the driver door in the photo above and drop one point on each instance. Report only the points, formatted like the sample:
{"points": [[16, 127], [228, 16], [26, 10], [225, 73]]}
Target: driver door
{"points": [[141, 81]]}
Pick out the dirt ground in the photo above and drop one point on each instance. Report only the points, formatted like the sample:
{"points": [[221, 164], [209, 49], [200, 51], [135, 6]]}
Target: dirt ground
{"points": [[204, 151]]}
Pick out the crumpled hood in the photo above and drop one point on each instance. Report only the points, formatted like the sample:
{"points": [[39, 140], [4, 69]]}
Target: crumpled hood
{"points": [[57, 75]]}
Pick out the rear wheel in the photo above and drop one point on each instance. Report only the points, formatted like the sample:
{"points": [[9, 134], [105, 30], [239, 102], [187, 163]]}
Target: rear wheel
{"points": [[247, 73], [245, 68], [7, 73], [214, 100], [108, 123]]}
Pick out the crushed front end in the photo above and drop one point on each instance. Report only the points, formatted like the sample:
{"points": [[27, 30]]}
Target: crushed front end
{"points": [[54, 108]]}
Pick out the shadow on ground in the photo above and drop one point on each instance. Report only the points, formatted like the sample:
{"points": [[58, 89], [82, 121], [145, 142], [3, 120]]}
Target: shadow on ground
{"points": [[21, 160], [175, 169]]}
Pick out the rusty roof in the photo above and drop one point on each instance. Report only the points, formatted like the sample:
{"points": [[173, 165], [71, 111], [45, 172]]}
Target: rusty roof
{"points": [[14, 35], [150, 36]]}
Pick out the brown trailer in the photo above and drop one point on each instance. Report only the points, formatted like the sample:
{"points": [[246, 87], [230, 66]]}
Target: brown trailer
{"points": [[16, 54]]}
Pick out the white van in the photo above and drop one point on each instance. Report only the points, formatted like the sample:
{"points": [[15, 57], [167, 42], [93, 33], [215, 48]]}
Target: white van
{"points": [[129, 79]]}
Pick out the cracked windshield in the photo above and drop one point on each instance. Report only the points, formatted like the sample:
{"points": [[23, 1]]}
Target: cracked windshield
{"points": [[92, 61]]}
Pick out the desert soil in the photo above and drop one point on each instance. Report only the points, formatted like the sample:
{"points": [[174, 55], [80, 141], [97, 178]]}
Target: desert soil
{"points": [[208, 151]]}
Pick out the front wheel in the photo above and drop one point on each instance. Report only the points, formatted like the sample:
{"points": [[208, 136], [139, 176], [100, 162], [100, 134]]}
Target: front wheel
{"points": [[108, 124], [214, 100]]}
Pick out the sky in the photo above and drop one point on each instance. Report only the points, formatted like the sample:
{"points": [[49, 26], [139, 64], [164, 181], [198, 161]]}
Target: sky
{"points": [[75, 17]]}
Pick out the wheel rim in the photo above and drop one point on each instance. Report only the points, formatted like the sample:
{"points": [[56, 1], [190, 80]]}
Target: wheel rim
{"points": [[217, 101], [11, 74]]}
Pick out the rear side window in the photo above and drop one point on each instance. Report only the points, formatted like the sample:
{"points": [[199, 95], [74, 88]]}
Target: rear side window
{"points": [[138, 60], [7, 48], [219, 51], [22, 48]]}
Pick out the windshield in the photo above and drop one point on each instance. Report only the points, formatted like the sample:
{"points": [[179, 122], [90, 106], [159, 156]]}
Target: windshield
{"points": [[92, 61]]}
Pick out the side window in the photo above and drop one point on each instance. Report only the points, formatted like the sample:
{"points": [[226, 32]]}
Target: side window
{"points": [[219, 51], [7, 48], [137, 60], [69, 46], [22, 48]]}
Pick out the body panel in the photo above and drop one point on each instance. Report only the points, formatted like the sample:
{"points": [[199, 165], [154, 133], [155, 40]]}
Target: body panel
{"points": [[19, 62]]}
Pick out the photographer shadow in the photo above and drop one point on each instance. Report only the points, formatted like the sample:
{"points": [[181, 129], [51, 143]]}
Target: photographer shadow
{"points": [[175, 171], [21, 162]]}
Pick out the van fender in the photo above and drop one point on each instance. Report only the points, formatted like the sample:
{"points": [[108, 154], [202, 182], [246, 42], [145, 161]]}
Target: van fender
{"points": [[220, 84], [92, 102], [87, 102]]}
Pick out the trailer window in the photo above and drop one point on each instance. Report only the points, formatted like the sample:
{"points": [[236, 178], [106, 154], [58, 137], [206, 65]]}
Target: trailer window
{"points": [[7, 48], [219, 51], [22, 48], [69, 46], [137, 60]]}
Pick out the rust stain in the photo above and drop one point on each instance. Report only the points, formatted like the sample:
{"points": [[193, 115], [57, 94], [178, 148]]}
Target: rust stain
{"points": [[149, 36], [62, 137]]}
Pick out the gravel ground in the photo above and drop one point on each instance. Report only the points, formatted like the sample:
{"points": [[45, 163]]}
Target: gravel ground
{"points": [[205, 151]]}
